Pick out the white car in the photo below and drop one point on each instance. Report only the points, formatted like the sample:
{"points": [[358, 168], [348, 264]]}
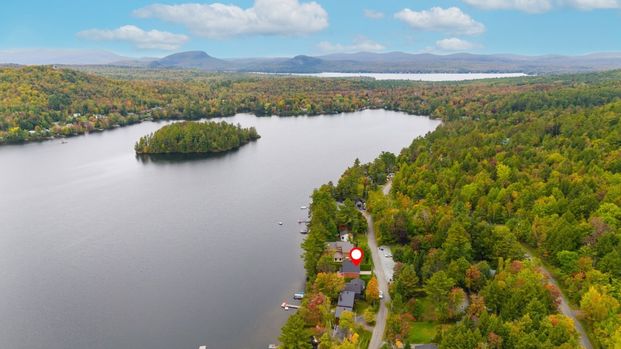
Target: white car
{"points": [[388, 255], [381, 294]]}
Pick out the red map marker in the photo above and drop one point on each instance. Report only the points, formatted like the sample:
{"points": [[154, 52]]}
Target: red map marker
{"points": [[356, 255]]}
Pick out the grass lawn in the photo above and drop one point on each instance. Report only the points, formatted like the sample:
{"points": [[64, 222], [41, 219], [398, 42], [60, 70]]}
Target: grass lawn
{"points": [[422, 332]]}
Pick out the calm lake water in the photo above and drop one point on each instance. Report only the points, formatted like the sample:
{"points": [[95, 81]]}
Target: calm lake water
{"points": [[419, 77], [101, 250]]}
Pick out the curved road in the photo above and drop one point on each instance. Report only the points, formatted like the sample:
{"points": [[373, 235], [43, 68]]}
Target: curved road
{"points": [[565, 308], [377, 337]]}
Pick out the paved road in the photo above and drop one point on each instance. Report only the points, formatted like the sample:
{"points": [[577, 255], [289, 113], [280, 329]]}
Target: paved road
{"points": [[566, 309], [380, 322], [387, 187]]}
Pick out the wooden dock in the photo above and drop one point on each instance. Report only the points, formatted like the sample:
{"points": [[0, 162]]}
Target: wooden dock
{"points": [[286, 306]]}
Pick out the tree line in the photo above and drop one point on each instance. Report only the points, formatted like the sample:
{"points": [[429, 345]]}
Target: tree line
{"points": [[43, 102]]}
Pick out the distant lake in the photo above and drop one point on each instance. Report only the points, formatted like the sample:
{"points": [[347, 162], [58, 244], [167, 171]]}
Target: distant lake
{"points": [[101, 250], [418, 77]]}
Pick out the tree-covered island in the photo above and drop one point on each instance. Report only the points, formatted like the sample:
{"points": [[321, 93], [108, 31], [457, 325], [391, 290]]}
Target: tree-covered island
{"points": [[196, 138]]}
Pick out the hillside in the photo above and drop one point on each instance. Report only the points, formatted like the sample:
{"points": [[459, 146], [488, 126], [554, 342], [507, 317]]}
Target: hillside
{"points": [[192, 59], [38, 103], [396, 62], [370, 62]]}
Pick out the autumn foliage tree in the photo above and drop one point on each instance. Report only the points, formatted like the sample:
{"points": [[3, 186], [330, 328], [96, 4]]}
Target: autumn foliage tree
{"points": [[372, 290], [330, 284]]}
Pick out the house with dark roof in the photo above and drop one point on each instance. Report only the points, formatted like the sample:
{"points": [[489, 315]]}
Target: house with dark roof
{"points": [[345, 303], [356, 286], [349, 270]]}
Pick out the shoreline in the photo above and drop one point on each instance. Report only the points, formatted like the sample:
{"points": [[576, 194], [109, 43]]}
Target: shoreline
{"points": [[172, 120]]}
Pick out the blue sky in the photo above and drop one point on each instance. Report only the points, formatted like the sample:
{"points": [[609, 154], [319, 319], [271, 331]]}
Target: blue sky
{"points": [[253, 28]]}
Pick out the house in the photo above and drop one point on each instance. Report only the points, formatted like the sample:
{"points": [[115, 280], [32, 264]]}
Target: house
{"points": [[349, 270], [344, 235], [356, 286], [340, 250], [340, 310], [345, 303]]}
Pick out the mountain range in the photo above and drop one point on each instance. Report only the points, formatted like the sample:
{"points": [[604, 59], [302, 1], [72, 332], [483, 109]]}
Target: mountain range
{"points": [[391, 62]]}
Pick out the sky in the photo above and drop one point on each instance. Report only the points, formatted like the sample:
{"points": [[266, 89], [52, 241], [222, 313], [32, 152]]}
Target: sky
{"points": [[270, 28]]}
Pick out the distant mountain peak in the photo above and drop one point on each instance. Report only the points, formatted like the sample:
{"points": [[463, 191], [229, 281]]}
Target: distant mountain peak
{"points": [[191, 59], [190, 54]]}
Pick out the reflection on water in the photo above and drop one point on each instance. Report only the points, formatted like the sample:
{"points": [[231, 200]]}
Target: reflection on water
{"points": [[179, 157]]}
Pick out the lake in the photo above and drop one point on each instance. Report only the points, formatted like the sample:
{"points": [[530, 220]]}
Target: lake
{"points": [[419, 77], [101, 250]]}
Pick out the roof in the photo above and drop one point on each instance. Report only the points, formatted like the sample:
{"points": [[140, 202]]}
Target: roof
{"points": [[426, 346], [346, 299], [349, 267], [355, 285], [341, 245], [340, 310]]}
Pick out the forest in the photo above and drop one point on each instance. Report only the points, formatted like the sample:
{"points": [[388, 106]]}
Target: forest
{"points": [[42, 102], [531, 179], [190, 137]]}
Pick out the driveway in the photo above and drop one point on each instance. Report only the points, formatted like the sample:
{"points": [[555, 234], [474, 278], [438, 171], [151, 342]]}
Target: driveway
{"points": [[565, 308]]}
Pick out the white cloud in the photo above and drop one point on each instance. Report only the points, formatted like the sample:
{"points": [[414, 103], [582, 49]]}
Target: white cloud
{"points": [[454, 44], [539, 6], [373, 14], [451, 20], [265, 17], [360, 44], [593, 4], [152, 39], [532, 6]]}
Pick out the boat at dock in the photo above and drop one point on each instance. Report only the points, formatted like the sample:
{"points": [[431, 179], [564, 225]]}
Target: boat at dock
{"points": [[298, 295]]}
